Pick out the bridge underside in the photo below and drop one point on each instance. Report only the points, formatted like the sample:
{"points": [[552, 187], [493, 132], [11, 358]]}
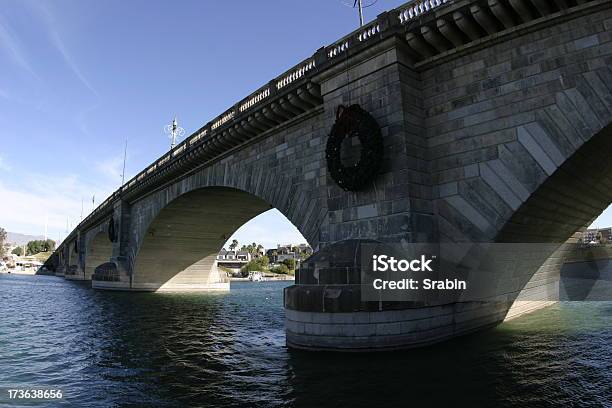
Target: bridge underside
{"points": [[179, 249], [568, 201], [571, 198]]}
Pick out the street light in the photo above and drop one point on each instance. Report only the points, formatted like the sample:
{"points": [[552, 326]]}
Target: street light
{"points": [[174, 131]]}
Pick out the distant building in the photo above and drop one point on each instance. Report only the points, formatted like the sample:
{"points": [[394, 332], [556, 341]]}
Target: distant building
{"points": [[233, 260], [289, 251], [606, 233], [595, 234]]}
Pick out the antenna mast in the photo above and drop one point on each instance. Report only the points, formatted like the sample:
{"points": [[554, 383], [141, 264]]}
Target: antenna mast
{"points": [[124, 158], [360, 6]]}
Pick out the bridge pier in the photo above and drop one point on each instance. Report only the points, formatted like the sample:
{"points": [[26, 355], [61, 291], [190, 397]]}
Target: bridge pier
{"points": [[329, 307], [326, 309], [59, 271], [389, 329], [76, 273], [111, 275]]}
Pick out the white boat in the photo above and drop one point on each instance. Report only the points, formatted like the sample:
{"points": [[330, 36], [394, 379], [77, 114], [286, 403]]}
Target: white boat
{"points": [[256, 276], [26, 267]]}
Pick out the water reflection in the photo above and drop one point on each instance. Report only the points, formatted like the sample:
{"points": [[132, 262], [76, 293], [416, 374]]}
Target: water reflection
{"points": [[228, 350]]}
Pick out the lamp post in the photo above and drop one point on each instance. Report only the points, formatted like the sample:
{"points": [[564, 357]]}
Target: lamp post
{"points": [[174, 131]]}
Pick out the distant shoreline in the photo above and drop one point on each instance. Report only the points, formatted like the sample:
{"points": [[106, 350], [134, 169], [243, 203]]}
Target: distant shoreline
{"points": [[16, 272], [266, 279]]}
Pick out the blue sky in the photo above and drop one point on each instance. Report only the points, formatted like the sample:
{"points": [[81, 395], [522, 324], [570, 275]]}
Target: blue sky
{"points": [[77, 77]]}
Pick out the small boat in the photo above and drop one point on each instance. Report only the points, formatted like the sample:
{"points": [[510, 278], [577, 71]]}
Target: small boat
{"points": [[256, 276]]}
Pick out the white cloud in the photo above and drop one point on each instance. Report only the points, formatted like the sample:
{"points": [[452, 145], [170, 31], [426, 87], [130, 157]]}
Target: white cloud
{"points": [[14, 49], [26, 205], [56, 39]]}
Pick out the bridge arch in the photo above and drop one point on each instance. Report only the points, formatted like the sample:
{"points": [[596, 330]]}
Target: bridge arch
{"points": [[179, 248], [72, 254], [576, 193], [98, 250]]}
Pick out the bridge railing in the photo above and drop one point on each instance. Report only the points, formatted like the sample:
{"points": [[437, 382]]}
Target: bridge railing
{"points": [[417, 8], [253, 99], [284, 82]]}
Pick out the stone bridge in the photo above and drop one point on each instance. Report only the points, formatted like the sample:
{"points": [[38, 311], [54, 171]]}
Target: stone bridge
{"points": [[496, 121]]}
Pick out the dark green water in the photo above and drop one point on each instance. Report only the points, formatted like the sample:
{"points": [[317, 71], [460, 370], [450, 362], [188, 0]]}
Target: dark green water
{"points": [[107, 349]]}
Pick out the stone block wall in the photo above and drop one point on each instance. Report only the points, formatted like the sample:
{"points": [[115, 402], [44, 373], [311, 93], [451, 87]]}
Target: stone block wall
{"points": [[502, 119]]}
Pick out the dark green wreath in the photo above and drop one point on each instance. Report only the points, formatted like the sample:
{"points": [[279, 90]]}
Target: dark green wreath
{"points": [[350, 122]]}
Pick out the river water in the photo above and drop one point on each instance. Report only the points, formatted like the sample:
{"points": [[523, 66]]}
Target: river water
{"points": [[107, 349]]}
